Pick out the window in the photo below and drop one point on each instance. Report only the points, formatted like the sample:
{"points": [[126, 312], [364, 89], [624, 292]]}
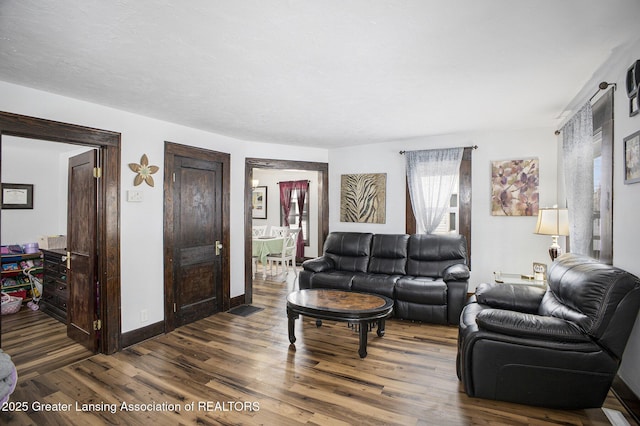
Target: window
{"points": [[294, 216], [449, 222], [587, 160], [459, 218], [597, 191], [602, 216]]}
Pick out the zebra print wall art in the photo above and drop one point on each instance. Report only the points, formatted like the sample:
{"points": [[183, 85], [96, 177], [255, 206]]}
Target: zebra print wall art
{"points": [[363, 198]]}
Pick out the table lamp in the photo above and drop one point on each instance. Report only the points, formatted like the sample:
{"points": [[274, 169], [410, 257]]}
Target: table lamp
{"points": [[555, 222]]}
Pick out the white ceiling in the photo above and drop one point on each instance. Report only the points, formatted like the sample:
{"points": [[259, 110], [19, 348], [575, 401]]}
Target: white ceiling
{"points": [[318, 72]]}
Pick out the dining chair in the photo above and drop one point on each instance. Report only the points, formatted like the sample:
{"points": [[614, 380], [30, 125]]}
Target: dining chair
{"points": [[287, 255], [279, 231], [258, 231]]}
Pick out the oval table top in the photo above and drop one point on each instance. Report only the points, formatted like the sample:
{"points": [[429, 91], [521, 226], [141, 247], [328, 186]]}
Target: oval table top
{"points": [[339, 304]]}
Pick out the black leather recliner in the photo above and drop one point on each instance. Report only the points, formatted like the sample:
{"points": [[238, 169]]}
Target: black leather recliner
{"points": [[558, 348]]}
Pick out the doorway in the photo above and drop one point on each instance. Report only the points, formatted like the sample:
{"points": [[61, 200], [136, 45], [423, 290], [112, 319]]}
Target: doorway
{"points": [[107, 209], [323, 207], [196, 234]]}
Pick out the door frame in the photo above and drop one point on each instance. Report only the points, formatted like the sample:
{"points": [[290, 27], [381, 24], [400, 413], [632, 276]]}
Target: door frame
{"points": [[108, 208], [171, 150], [323, 206]]}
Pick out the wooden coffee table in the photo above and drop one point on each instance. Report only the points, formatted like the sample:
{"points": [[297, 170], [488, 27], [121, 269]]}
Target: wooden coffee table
{"points": [[361, 309]]}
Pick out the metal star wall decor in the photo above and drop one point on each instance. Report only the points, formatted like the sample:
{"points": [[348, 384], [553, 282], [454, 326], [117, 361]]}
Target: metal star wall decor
{"points": [[144, 171]]}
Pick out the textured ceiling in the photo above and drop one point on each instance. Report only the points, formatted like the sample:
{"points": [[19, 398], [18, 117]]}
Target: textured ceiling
{"points": [[318, 73]]}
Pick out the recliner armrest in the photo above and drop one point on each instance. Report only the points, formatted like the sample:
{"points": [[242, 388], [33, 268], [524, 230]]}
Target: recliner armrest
{"points": [[521, 298], [456, 272], [520, 324], [319, 264]]}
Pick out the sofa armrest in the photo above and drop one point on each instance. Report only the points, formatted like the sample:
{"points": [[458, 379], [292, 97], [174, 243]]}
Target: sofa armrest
{"points": [[456, 299], [520, 324], [319, 264], [456, 272], [521, 298]]}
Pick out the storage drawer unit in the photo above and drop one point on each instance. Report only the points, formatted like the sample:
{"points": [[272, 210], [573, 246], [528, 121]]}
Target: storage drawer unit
{"points": [[55, 293]]}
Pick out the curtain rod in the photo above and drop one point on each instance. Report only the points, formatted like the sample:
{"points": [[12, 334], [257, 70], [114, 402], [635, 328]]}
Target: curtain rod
{"points": [[278, 183], [602, 86], [470, 147]]}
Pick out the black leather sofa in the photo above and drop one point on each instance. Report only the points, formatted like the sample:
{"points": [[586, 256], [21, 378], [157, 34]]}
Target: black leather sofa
{"points": [[426, 275], [558, 348]]}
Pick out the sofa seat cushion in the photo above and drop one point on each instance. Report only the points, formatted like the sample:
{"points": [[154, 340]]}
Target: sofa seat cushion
{"points": [[332, 279], [422, 290], [381, 284]]}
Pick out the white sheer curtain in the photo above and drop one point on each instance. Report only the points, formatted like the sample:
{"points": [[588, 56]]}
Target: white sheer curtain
{"points": [[430, 176], [577, 157]]}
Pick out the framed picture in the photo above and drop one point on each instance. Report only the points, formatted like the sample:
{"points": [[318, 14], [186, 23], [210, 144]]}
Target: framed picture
{"points": [[259, 202], [514, 187], [17, 196], [539, 271], [632, 158], [363, 198]]}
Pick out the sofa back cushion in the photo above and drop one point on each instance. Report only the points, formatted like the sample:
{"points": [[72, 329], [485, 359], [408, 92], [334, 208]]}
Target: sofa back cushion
{"points": [[590, 294], [349, 251], [388, 254], [430, 254]]}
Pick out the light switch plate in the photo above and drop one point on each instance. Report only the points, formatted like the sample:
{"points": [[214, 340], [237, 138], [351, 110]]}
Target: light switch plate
{"points": [[134, 196]]}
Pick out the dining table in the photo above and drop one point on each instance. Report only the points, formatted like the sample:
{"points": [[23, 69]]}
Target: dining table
{"points": [[261, 247]]}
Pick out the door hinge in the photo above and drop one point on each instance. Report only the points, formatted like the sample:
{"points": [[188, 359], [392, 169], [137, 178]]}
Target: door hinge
{"points": [[97, 172], [97, 325], [174, 307]]}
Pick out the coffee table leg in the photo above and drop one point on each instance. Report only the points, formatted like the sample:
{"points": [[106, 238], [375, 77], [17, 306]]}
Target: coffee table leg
{"points": [[364, 329], [381, 324], [292, 326]]}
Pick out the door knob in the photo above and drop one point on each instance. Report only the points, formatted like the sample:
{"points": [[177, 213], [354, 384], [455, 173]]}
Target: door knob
{"points": [[218, 248]]}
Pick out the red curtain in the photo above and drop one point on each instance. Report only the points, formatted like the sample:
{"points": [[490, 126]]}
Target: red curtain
{"points": [[285, 199], [302, 187]]}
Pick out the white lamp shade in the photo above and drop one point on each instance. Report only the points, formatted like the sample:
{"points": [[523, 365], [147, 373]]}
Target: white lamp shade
{"points": [[553, 222]]}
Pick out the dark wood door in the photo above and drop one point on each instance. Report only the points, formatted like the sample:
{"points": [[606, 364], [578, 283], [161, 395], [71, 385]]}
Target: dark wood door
{"points": [[197, 227], [81, 250]]}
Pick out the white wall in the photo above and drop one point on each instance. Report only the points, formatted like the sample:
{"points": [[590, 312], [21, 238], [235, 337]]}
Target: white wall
{"points": [[270, 179], [626, 200], [44, 165], [498, 243], [142, 223]]}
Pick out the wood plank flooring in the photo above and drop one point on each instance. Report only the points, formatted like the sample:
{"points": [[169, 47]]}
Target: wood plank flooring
{"points": [[38, 343], [228, 369]]}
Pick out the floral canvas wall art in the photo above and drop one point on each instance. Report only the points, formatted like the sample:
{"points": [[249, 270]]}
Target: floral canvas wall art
{"points": [[514, 187]]}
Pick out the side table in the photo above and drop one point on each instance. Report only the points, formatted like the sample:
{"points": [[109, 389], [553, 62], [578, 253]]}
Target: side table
{"points": [[518, 279]]}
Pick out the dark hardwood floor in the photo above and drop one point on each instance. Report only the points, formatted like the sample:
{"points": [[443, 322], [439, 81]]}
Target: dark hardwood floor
{"points": [[38, 343], [229, 369]]}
